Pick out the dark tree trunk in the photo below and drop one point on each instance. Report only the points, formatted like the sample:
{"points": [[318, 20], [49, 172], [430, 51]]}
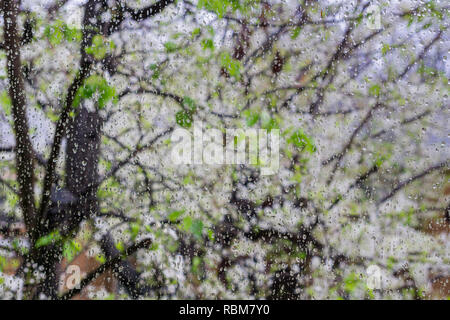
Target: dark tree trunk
{"points": [[24, 150], [82, 155], [83, 138], [83, 134]]}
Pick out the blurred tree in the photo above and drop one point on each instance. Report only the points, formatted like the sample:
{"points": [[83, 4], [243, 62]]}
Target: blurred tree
{"points": [[92, 92]]}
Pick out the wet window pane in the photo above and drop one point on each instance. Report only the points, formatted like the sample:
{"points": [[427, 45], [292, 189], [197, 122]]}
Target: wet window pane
{"points": [[224, 149]]}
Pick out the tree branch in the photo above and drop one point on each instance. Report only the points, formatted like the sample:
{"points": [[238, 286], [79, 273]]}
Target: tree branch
{"points": [[134, 154], [24, 153], [403, 184], [124, 270], [6, 184], [421, 55], [84, 71], [144, 244], [404, 122], [150, 11], [339, 156], [7, 149]]}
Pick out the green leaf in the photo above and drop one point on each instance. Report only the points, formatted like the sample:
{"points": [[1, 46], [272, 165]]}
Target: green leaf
{"points": [[170, 47], [70, 249], [211, 235], [2, 265], [5, 101], [295, 33], [218, 6], [184, 118], [351, 282], [59, 31], [302, 141], [100, 258], [194, 226], [134, 230], [99, 47], [188, 102], [187, 223], [196, 32], [174, 215], [54, 33], [231, 65], [48, 239], [156, 71], [120, 246], [270, 123], [92, 85], [375, 90], [208, 44], [197, 228], [72, 34], [252, 117], [196, 262]]}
